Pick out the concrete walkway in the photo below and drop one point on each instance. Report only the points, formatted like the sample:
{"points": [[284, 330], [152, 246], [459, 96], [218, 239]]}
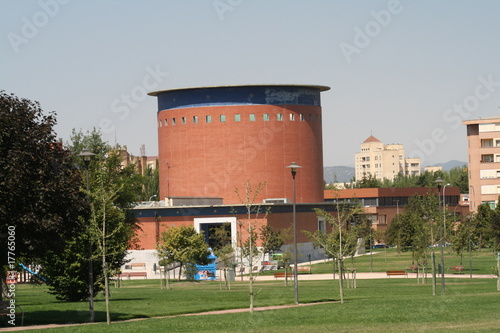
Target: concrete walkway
{"points": [[362, 276]]}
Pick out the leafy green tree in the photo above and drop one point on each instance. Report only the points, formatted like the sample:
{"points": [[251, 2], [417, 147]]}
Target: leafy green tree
{"points": [[184, 245], [482, 220], [151, 183], [40, 198], [273, 239], [368, 181], [461, 238], [494, 229], [121, 186], [417, 227]]}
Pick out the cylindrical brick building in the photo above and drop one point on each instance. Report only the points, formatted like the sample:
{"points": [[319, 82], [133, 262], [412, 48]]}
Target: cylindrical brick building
{"points": [[213, 140]]}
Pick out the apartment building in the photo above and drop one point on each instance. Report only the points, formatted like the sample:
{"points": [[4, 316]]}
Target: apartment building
{"points": [[384, 161], [483, 138]]}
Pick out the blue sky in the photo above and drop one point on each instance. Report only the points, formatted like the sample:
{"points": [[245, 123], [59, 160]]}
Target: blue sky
{"points": [[405, 71]]}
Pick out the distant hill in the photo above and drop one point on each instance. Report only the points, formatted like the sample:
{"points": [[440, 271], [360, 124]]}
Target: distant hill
{"points": [[450, 164], [344, 174]]}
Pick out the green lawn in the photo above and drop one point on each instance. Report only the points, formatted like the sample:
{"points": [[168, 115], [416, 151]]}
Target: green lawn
{"points": [[382, 260], [383, 305]]}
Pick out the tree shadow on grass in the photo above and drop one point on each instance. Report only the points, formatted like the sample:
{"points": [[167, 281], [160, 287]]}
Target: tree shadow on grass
{"points": [[70, 317], [325, 300]]}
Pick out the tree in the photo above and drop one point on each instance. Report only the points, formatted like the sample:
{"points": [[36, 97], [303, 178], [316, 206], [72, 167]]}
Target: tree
{"points": [[461, 239], [273, 239], [368, 181], [112, 193], [184, 245], [342, 240], [248, 247], [223, 249], [40, 195]]}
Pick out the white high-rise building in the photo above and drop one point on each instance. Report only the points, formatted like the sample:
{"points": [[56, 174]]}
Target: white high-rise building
{"points": [[384, 161]]}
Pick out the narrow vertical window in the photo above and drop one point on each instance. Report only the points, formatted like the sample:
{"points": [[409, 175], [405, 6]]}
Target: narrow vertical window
{"points": [[266, 116], [183, 120], [166, 122], [279, 117], [252, 116], [208, 119], [301, 117], [222, 118], [173, 121], [195, 119], [237, 117], [159, 123], [292, 116]]}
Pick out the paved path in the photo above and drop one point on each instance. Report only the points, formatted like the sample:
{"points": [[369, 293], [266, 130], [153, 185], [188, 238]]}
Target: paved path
{"points": [[361, 276]]}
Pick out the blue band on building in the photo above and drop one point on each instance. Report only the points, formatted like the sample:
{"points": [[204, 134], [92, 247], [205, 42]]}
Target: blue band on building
{"points": [[239, 95]]}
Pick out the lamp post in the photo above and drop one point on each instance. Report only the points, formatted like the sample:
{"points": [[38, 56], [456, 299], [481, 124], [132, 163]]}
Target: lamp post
{"points": [[440, 182], [151, 197], [293, 167], [86, 155], [443, 243]]}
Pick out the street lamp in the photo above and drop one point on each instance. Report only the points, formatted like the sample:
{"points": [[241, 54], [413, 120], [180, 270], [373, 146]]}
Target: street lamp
{"points": [[293, 167], [151, 197], [443, 238], [440, 182], [86, 155]]}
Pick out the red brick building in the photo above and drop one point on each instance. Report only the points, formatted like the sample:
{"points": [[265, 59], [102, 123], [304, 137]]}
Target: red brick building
{"points": [[212, 140]]}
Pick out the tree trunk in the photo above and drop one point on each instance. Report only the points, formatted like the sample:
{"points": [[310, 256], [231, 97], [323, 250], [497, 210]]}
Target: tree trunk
{"points": [[106, 292], [3, 283], [341, 281]]}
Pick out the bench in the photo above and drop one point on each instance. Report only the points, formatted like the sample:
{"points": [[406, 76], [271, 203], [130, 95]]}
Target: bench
{"points": [[132, 274], [282, 275], [6, 312], [390, 273], [304, 269], [457, 269], [138, 265]]}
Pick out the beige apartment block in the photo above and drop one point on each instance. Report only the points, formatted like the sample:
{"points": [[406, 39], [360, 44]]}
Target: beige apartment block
{"points": [[483, 138], [383, 161]]}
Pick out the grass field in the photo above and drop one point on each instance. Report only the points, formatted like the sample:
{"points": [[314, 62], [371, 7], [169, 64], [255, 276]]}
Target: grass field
{"points": [[483, 262], [378, 305]]}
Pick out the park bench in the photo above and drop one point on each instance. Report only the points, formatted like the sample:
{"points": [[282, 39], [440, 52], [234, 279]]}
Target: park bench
{"points": [[457, 269], [132, 274], [304, 269], [138, 265], [282, 275], [6, 312], [390, 273]]}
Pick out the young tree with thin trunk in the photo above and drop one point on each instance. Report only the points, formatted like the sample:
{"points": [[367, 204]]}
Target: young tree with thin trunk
{"points": [[341, 242], [249, 247]]}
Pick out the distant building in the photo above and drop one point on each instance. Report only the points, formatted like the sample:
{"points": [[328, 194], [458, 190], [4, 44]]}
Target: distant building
{"points": [[433, 168], [483, 136], [383, 161], [142, 163], [381, 205]]}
